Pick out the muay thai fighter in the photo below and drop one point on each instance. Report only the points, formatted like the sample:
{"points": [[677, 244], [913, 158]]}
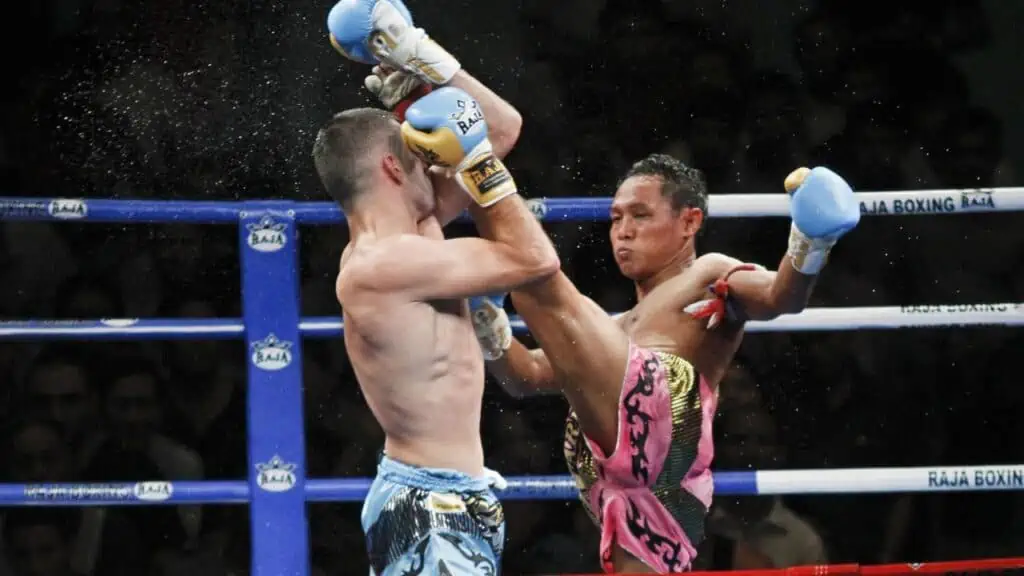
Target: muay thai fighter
{"points": [[643, 386]]}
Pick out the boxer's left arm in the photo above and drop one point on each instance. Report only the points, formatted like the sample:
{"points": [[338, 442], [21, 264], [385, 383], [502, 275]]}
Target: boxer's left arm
{"points": [[760, 294], [503, 123], [523, 372], [823, 209]]}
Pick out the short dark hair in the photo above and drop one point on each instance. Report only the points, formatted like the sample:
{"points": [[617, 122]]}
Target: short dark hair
{"points": [[683, 185], [137, 366], [59, 355], [342, 144]]}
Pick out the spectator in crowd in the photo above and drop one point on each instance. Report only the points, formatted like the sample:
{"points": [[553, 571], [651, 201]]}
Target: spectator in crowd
{"points": [[206, 396], [99, 541], [59, 389], [751, 532], [39, 541], [134, 449]]}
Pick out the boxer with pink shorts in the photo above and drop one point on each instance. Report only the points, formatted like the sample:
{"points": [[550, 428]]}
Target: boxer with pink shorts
{"points": [[642, 385], [651, 494]]}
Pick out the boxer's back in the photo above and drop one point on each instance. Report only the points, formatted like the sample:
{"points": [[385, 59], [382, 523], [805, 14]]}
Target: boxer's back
{"points": [[420, 369]]}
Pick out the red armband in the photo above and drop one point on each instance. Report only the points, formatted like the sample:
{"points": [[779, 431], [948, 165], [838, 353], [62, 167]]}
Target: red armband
{"points": [[415, 95], [716, 309]]}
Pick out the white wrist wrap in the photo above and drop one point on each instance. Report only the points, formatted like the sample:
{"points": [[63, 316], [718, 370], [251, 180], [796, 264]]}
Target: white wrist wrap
{"points": [[493, 330], [404, 47], [484, 177], [808, 255]]}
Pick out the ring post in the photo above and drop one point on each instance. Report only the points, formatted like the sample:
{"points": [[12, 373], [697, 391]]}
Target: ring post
{"points": [[268, 241]]}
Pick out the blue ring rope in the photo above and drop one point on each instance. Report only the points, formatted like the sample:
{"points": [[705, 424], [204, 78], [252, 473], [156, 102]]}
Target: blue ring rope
{"points": [[276, 487], [553, 487]]}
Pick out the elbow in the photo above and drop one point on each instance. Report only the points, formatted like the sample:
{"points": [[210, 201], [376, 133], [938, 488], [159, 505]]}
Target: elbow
{"points": [[546, 263], [505, 134]]}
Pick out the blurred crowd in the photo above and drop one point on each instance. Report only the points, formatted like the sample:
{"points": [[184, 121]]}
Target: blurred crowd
{"points": [[220, 100]]}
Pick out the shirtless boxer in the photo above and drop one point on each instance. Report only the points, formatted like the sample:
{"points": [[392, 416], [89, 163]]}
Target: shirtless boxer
{"points": [[650, 499], [639, 443], [402, 288]]}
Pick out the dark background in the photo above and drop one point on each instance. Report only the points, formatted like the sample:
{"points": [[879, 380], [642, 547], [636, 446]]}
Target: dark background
{"points": [[220, 100]]}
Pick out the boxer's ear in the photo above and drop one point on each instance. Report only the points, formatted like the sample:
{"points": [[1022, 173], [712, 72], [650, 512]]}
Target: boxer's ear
{"points": [[393, 169], [690, 219]]}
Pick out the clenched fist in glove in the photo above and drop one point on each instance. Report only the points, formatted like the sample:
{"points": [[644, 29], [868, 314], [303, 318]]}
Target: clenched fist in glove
{"points": [[491, 324], [824, 208], [382, 31], [396, 89], [447, 128]]}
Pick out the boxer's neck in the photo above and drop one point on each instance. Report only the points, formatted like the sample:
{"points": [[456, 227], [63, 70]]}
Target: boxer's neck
{"points": [[676, 266], [381, 214]]}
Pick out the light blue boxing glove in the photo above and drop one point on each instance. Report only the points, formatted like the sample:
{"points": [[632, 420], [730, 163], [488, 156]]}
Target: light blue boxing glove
{"points": [[447, 128], [823, 208], [492, 326], [372, 31]]}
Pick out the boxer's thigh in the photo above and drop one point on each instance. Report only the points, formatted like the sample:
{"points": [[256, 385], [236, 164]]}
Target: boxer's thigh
{"points": [[446, 553], [411, 530], [586, 348]]}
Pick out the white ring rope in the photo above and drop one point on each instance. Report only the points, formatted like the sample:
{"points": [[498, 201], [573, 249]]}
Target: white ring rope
{"points": [[812, 319], [897, 203]]}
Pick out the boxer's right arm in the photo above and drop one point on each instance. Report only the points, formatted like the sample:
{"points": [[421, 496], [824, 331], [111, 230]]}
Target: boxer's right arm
{"points": [[519, 370], [410, 65], [421, 269], [503, 120], [382, 32], [398, 89], [523, 372]]}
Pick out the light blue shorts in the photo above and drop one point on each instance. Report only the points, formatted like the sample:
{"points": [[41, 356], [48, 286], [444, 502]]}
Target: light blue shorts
{"points": [[430, 521]]}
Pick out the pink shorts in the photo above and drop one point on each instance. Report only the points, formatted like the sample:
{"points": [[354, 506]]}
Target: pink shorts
{"points": [[650, 496]]}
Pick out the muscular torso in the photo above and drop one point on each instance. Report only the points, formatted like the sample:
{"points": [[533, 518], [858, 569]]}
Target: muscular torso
{"points": [[658, 322], [420, 369]]}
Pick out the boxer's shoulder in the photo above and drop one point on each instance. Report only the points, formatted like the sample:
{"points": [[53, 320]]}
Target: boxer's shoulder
{"points": [[367, 264], [691, 284], [714, 265]]}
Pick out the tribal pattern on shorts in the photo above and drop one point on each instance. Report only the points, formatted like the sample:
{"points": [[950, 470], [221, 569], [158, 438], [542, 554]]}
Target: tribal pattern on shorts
{"points": [[414, 519]]}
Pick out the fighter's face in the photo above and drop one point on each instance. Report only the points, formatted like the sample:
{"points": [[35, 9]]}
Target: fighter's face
{"points": [[746, 438], [416, 181], [420, 185], [647, 233]]}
